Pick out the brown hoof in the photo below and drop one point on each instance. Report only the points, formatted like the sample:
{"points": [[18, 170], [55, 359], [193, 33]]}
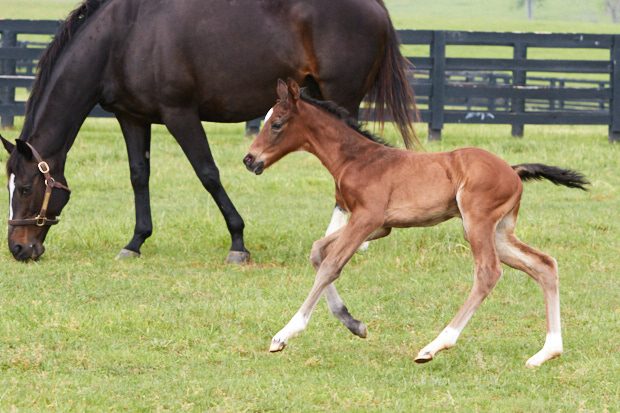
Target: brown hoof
{"points": [[361, 331], [423, 358], [126, 254], [238, 257]]}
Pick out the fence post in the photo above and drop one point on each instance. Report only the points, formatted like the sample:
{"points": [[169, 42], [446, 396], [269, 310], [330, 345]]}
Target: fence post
{"points": [[614, 104], [7, 67], [518, 79], [438, 89]]}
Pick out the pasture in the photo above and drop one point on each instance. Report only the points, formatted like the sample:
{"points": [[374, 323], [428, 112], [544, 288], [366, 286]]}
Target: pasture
{"points": [[179, 330]]}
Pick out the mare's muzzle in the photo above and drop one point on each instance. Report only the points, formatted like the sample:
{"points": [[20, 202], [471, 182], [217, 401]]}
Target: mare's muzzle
{"points": [[253, 166]]}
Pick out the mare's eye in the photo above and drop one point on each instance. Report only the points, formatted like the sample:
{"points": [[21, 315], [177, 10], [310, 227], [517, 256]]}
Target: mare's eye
{"points": [[25, 190], [276, 126]]}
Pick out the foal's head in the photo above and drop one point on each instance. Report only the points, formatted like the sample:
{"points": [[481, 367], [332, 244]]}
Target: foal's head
{"points": [[282, 133]]}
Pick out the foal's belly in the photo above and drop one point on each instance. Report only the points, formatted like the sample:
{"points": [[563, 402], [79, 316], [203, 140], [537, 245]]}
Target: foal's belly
{"points": [[406, 216]]}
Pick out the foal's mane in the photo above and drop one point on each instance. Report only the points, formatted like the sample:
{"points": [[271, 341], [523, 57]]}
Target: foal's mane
{"points": [[342, 114], [76, 19]]}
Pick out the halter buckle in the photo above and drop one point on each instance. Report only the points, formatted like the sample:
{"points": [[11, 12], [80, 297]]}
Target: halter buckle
{"points": [[43, 167], [40, 221]]}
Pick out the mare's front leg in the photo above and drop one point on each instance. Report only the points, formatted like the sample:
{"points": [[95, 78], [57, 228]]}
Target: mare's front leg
{"points": [[137, 136], [184, 124], [338, 254]]}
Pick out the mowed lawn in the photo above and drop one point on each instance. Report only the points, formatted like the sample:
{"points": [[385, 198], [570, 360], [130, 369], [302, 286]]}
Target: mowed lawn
{"points": [[179, 330]]}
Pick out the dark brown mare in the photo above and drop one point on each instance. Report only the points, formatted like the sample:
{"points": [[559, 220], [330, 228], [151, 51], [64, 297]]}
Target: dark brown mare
{"points": [[180, 62], [384, 188]]}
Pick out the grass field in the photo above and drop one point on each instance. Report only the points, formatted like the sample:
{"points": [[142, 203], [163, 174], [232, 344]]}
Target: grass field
{"points": [[178, 330]]}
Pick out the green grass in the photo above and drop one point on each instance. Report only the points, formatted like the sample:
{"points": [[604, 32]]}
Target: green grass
{"points": [[179, 330]]}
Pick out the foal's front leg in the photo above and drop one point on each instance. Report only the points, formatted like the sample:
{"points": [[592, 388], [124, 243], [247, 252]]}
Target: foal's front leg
{"points": [[339, 220], [338, 254]]}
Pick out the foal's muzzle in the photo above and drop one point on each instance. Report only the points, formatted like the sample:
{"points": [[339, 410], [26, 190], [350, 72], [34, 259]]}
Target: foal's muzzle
{"points": [[252, 165]]}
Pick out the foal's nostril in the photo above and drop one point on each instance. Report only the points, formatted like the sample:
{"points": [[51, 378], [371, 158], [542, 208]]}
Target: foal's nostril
{"points": [[248, 160]]}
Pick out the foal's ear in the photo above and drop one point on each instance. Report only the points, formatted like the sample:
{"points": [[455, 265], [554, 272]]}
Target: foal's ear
{"points": [[293, 88], [7, 145], [24, 149], [282, 91]]}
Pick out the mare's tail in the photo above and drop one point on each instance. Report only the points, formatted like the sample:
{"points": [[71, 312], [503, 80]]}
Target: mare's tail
{"points": [[391, 90], [559, 176]]}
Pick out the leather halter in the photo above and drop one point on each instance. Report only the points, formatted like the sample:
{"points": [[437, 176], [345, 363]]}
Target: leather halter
{"points": [[41, 219]]}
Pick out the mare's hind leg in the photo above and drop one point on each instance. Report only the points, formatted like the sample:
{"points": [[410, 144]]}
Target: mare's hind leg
{"points": [[184, 124], [542, 268], [137, 136], [480, 234]]}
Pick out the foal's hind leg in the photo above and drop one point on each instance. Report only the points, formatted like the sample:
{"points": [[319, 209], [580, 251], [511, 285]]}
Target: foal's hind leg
{"points": [[542, 268], [487, 272]]}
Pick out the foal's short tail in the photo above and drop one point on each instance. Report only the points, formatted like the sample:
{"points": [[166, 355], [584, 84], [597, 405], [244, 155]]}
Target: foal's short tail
{"points": [[559, 176]]}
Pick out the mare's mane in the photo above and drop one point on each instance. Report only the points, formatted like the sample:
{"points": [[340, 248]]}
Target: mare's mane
{"points": [[342, 114], [76, 19]]}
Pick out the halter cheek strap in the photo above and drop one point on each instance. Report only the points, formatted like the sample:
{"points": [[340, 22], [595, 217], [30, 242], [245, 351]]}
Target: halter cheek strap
{"points": [[41, 219]]}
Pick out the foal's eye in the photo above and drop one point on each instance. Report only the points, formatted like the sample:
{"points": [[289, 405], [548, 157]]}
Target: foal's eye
{"points": [[276, 126]]}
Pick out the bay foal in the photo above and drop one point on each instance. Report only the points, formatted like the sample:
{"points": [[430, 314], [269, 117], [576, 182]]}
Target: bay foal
{"points": [[384, 188]]}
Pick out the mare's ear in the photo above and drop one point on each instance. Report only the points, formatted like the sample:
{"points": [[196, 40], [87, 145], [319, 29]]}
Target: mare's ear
{"points": [[24, 149], [7, 145], [282, 91], [293, 88]]}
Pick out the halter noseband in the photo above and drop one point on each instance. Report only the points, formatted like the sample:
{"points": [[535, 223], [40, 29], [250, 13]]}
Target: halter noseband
{"points": [[41, 219]]}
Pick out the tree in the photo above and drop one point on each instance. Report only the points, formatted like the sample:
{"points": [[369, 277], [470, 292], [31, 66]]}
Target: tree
{"points": [[529, 5], [613, 8]]}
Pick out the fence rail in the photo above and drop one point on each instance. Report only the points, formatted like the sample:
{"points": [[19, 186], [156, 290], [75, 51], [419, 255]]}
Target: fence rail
{"points": [[449, 89], [500, 91]]}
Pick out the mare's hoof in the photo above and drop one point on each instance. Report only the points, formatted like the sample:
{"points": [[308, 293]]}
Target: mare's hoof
{"points": [[276, 345], [125, 253], [238, 257], [423, 358]]}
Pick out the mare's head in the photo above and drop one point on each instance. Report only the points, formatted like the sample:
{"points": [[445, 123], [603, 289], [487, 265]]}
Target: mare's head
{"points": [[37, 195], [283, 132]]}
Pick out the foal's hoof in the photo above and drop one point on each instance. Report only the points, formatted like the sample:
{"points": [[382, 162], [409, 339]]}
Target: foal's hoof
{"points": [[238, 257], [276, 345], [423, 358], [360, 330], [125, 254]]}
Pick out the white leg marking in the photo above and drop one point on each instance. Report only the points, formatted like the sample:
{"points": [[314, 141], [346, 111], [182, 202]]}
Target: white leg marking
{"points": [[268, 115], [339, 220], [297, 324], [11, 192], [445, 340], [553, 348]]}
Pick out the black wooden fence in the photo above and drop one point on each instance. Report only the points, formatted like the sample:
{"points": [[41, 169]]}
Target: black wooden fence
{"points": [[449, 89]]}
